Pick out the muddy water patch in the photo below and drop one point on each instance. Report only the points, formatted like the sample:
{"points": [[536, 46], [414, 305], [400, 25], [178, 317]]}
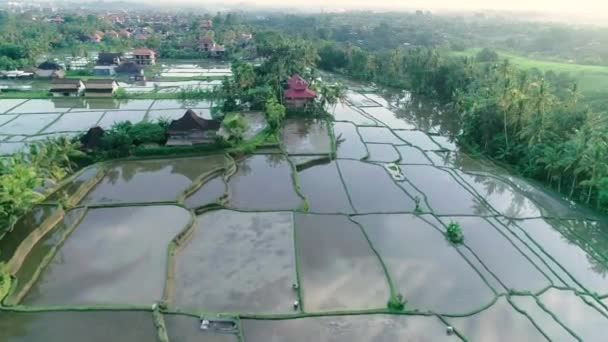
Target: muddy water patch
{"points": [[338, 268], [499, 255], [93, 326], [38, 106], [28, 124], [348, 141], [188, 329], [151, 180], [303, 136], [418, 139], [543, 319], [372, 189], [570, 252], [388, 118], [382, 153], [115, 256], [263, 182], [426, 269], [444, 194], [238, 262], [498, 323], [380, 135], [75, 122], [323, 188], [412, 155], [345, 112], [111, 118], [363, 328], [40, 251], [501, 196], [210, 192], [583, 319]]}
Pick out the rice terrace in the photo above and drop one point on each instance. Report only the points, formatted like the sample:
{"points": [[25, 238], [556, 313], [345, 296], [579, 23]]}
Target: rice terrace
{"points": [[184, 175], [340, 230]]}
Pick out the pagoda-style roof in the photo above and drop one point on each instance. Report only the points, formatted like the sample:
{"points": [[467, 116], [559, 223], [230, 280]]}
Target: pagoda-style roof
{"points": [[297, 88], [192, 122]]}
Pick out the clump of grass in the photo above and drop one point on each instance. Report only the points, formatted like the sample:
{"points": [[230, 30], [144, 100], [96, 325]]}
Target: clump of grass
{"points": [[397, 302], [417, 210], [454, 233], [5, 281]]}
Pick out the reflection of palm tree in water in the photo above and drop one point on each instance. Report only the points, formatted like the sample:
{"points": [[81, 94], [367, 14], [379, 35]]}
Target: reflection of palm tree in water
{"points": [[590, 237], [275, 159]]}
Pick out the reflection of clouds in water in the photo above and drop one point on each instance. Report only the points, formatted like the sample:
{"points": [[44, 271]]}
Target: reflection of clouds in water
{"points": [[582, 318]]}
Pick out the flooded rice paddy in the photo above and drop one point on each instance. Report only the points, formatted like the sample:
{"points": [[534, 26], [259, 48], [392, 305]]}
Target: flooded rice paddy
{"points": [[304, 243], [24, 121]]}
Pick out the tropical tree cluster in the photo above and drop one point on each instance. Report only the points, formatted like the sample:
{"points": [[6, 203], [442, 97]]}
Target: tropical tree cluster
{"points": [[25, 175]]}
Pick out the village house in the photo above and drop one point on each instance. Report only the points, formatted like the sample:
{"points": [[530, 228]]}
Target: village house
{"points": [[217, 51], [206, 24], [209, 45], [49, 69], [132, 70], [56, 20], [66, 87], [191, 129], [112, 34], [109, 58], [297, 93], [100, 88], [144, 56], [124, 33], [96, 37], [104, 70]]}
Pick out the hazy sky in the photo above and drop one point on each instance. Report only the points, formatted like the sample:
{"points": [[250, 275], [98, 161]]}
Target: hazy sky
{"points": [[579, 6]]}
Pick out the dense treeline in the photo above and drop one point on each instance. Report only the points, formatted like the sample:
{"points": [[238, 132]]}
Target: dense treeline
{"points": [[535, 122], [516, 33]]}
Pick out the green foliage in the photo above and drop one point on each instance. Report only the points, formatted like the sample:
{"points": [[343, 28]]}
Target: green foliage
{"points": [[120, 93], [234, 126], [454, 233], [275, 114], [123, 137], [5, 281], [397, 302], [487, 55], [417, 209], [23, 174]]}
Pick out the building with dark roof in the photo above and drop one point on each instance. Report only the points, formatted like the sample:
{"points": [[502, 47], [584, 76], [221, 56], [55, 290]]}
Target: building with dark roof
{"points": [[192, 129], [109, 58], [132, 70], [67, 87]]}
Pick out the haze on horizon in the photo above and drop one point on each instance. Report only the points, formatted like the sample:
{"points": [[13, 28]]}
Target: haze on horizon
{"points": [[597, 7]]}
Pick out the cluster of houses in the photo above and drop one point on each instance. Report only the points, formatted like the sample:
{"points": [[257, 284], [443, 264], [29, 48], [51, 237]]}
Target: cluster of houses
{"points": [[62, 87], [131, 64], [190, 129]]}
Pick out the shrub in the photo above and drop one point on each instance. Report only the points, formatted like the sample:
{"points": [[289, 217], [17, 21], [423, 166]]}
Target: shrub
{"points": [[454, 233], [487, 55], [397, 303], [5, 281]]}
